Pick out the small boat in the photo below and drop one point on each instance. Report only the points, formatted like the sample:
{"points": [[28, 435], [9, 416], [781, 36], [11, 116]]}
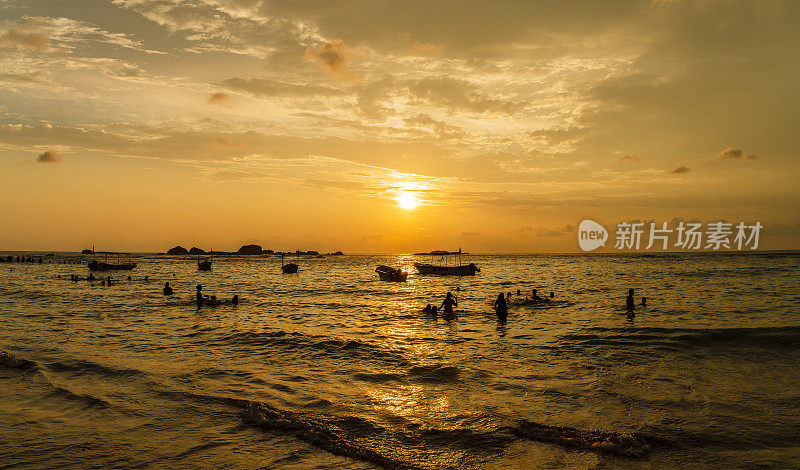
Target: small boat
{"points": [[101, 266], [444, 268], [204, 264], [288, 268], [387, 273]]}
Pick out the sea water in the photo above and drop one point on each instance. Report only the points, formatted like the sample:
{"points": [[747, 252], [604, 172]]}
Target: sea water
{"points": [[332, 368]]}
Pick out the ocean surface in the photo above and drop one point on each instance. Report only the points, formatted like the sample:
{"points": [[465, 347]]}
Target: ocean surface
{"points": [[332, 368]]}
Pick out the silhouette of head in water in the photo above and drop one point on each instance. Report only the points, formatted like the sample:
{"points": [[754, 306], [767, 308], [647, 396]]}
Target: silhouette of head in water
{"points": [[519, 292], [235, 300], [644, 301], [552, 295], [458, 288]]}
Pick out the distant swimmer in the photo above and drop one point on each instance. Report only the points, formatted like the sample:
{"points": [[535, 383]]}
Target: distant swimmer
{"points": [[167, 289], [91, 277], [428, 309], [147, 278], [500, 305], [630, 304], [449, 302], [108, 280], [644, 301], [519, 292], [534, 296], [129, 278], [212, 301], [199, 296], [235, 300], [552, 295]]}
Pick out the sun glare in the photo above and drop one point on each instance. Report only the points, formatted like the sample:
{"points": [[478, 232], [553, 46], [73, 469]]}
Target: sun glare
{"points": [[407, 200]]}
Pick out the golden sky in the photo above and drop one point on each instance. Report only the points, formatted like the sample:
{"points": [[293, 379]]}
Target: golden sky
{"points": [[380, 126]]}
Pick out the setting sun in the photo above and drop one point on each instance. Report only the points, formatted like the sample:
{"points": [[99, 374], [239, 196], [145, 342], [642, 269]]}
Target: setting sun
{"points": [[407, 200]]}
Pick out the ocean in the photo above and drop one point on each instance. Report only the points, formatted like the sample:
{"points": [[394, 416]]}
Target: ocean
{"points": [[332, 368]]}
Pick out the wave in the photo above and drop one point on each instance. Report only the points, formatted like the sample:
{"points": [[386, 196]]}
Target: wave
{"points": [[773, 338], [409, 447], [620, 444], [10, 361]]}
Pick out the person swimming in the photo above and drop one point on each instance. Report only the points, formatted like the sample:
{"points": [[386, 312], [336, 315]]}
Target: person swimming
{"points": [[630, 304], [199, 296], [235, 299], [644, 301], [500, 305], [167, 289], [534, 296], [552, 295], [449, 302], [519, 292], [212, 301], [428, 309]]}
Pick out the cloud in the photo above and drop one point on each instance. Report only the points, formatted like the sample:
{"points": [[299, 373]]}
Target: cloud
{"points": [[731, 153], [333, 57], [49, 157], [218, 98], [680, 170], [629, 158], [425, 49], [14, 37], [267, 87]]}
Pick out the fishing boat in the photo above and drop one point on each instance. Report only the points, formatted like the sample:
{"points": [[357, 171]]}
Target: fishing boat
{"points": [[387, 273], [102, 266], [288, 268], [96, 265], [444, 268], [204, 264]]}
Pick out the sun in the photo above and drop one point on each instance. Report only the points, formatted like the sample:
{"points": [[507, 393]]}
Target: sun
{"points": [[407, 200]]}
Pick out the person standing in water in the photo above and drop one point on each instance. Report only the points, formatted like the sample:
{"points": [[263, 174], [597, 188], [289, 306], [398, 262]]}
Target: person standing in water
{"points": [[199, 296], [500, 305], [644, 302], [535, 296], [449, 302], [630, 303], [167, 289]]}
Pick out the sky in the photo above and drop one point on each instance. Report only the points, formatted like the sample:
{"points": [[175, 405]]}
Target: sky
{"points": [[392, 127]]}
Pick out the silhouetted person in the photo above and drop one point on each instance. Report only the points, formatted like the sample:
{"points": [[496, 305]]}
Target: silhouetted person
{"points": [[103, 283], [167, 289], [458, 289], [449, 302], [108, 280], [212, 301], [129, 278], [199, 296], [535, 296], [519, 292], [428, 309], [552, 295], [630, 304], [91, 277], [500, 305], [644, 301], [147, 278], [235, 300]]}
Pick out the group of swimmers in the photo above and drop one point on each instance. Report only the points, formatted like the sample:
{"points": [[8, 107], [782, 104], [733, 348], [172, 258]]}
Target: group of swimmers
{"points": [[20, 259], [200, 299], [448, 303], [91, 278]]}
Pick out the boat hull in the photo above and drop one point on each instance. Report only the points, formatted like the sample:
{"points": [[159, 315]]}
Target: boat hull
{"points": [[385, 273], [204, 265], [462, 270], [98, 266], [290, 268]]}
